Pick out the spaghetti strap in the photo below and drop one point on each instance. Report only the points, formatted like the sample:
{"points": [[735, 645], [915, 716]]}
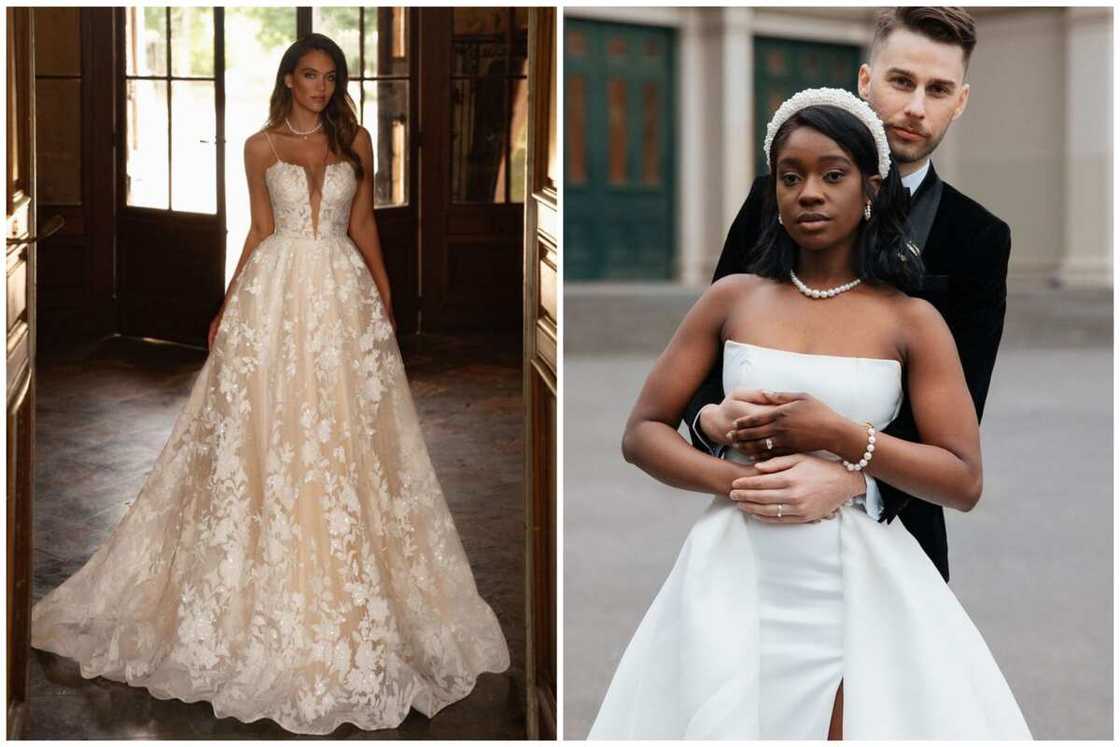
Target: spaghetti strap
{"points": [[270, 145]]}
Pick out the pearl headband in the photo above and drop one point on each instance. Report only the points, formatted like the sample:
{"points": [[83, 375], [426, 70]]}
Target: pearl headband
{"points": [[831, 97]]}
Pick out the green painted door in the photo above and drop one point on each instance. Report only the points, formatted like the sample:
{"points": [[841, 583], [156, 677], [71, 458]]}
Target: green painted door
{"points": [[782, 67], [618, 151]]}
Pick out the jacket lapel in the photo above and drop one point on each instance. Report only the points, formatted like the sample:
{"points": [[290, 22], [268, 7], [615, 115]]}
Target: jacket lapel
{"points": [[924, 206]]}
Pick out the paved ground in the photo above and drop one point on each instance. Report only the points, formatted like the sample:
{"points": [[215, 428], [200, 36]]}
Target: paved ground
{"points": [[1032, 563]]}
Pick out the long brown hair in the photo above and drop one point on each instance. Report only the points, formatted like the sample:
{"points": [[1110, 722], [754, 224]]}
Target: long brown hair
{"points": [[339, 116]]}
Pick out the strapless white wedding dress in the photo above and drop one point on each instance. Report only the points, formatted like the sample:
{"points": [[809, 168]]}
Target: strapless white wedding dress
{"points": [[757, 624], [291, 554]]}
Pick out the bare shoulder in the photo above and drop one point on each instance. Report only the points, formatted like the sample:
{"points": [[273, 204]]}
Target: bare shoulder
{"points": [[917, 311], [258, 152], [743, 288], [721, 298], [363, 140], [921, 323], [737, 284]]}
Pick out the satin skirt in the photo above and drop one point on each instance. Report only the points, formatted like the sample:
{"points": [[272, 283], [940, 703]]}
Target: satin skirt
{"points": [[801, 626], [757, 624]]}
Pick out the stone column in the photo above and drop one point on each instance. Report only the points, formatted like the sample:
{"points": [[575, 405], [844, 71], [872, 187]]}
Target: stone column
{"points": [[715, 133], [1088, 148]]}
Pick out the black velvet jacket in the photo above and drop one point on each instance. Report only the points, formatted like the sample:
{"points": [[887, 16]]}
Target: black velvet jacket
{"points": [[965, 255]]}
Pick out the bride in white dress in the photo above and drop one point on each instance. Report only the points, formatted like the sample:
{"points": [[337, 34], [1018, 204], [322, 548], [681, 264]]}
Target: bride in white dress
{"points": [[768, 627], [291, 554]]}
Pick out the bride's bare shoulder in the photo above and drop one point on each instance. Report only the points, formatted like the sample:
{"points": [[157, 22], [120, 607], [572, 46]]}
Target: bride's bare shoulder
{"points": [[738, 285], [258, 151], [722, 296]]}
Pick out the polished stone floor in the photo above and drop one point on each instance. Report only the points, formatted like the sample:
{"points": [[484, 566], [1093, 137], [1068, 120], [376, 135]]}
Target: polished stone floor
{"points": [[104, 412]]}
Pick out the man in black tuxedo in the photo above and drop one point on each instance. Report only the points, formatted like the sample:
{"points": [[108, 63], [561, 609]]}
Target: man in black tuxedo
{"points": [[915, 83]]}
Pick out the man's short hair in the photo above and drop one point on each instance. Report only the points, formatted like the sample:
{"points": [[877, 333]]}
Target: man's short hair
{"points": [[946, 25]]}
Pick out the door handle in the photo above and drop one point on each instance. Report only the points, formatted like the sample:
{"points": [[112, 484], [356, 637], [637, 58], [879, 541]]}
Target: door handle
{"points": [[52, 227]]}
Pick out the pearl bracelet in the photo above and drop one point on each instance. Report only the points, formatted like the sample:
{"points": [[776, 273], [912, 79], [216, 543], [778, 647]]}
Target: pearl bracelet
{"points": [[867, 454]]}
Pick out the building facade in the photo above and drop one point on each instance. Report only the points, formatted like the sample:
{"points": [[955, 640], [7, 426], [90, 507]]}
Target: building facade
{"points": [[665, 109]]}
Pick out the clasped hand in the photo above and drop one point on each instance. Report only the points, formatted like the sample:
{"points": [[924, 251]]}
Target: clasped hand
{"points": [[782, 423], [783, 429]]}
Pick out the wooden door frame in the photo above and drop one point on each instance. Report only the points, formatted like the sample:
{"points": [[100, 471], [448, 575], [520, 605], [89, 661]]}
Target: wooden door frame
{"points": [[22, 225], [539, 382], [435, 116]]}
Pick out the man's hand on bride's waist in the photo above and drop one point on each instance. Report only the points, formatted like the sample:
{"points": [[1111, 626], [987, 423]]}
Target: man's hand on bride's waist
{"points": [[796, 489]]}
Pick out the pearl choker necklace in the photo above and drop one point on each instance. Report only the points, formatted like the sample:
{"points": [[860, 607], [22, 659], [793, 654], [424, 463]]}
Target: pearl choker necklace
{"points": [[812, 293], [303, 134]]}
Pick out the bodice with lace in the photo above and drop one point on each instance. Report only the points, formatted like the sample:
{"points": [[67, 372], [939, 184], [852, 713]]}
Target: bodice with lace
{"points": [[289, 187]]}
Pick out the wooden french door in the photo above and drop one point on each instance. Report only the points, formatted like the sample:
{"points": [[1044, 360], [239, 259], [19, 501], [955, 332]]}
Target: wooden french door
{"points": [[170, 171], [782, 67], [619, 172], [542, 258], [474, 111]]}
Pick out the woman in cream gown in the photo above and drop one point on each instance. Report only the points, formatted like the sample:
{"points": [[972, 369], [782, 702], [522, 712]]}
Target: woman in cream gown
{"points": [[291, 554], [770, 626]]}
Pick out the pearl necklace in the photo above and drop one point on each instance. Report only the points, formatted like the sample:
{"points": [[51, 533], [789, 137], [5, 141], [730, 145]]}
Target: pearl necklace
{"points": [[812, 293], [303, 134]]}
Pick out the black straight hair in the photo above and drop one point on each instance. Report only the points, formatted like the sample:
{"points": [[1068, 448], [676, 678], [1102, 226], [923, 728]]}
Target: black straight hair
{"points": [[883, 250]]}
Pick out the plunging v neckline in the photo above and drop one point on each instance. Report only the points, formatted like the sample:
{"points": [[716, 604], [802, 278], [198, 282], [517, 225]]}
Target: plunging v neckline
{"points": [[312, 206]]}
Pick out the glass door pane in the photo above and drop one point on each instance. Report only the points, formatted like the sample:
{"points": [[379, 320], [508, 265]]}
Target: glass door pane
{"points": [[145, 41], [489, 110], [194, 151], [192, 42], [341, 25], [386, 41], [147, 155], [385, 115], [519, 138]]}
